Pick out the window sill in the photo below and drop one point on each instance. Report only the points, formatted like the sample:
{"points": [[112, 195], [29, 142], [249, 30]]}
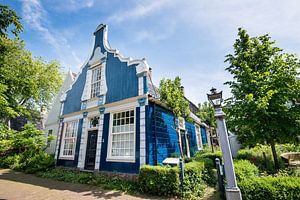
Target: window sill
{"points": [[126, 160], [66, 158]]}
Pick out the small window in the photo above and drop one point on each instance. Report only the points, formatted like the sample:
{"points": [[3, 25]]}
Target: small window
{"points": [[122, 136], [95, 84], [94, 122], [50, 132], [69, 139]]}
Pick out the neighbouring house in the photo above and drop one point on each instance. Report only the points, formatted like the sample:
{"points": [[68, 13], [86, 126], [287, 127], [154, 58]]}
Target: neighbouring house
{"points": [[52, 119], [112, 120]]}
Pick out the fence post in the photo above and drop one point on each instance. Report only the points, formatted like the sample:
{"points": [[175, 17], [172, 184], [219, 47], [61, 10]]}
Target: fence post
{"points": [[220, 173], [181, 165]]}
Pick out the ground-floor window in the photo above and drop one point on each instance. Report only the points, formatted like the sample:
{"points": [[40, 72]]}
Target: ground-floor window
{"points": [[69, 139], [198, 137], [122, 136]]}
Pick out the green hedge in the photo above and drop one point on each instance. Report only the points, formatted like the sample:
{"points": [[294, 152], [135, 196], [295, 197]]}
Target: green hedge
{"points": [[199, 156], [158, 180], [271, 188], [245, 169], [165, 181]]}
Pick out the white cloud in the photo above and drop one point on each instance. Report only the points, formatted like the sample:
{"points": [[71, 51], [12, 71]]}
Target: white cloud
{"points": [[71, 5], [36, 17], [139, 11]]}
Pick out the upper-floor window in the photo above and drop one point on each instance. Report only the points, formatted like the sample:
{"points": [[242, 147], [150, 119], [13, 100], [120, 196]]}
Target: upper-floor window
{"points": [[95, 85], [69, 139]]}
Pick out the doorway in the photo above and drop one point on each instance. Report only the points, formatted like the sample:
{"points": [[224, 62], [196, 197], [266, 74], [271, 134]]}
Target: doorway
{"points": [[91, 147]]}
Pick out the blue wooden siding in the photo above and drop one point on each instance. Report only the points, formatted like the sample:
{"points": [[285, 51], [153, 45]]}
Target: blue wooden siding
{"points": [[120, 166], [71, 163], [73, 99], [162, 139], [203, 135], [121, 79], [191, 133]]}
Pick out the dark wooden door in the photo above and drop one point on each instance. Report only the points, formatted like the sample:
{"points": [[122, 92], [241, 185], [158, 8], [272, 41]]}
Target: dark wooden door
{"points": [[183, 142], [91, 147]]}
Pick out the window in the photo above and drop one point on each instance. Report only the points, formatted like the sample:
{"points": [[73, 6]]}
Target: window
{"points": [[69, 139], [95, 85], [94, 122], [198, 137], [122, 136]]}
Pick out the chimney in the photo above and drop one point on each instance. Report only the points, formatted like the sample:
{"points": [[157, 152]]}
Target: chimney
{"points": [[182, 89], [150, 72]]}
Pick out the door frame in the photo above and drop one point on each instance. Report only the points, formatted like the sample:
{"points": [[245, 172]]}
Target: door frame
{"points": [[89, 132]]}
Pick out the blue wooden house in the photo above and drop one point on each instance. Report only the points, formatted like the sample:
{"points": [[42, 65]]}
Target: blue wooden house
{"points": [[112, 120]]}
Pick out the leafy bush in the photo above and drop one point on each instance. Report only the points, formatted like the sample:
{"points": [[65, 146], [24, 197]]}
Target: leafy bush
{"points": [[165, 181], [159, 180], [193, 183], [39, 162], [209, 173], [245, 169], [199, 156], [13, 162], [271, 188], [261, 156]]}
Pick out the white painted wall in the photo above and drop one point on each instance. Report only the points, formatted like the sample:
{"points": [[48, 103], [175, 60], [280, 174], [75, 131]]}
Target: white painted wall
{"points": [[52, 121]]}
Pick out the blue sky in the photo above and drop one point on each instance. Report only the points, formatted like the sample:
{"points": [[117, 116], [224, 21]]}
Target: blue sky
{"points": [[186, 38]]}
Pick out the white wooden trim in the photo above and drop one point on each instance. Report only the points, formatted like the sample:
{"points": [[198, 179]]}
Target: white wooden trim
{"points": [[142, 136], [141, 85], [197, 127], [81, 157], [99, 142], [68, 157], [120, 159]]}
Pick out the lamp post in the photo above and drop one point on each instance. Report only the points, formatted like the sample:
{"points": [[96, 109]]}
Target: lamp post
{"points": [[232, 191]]}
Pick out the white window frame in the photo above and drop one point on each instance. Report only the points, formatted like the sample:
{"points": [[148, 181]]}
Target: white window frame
{"points": [[95, 92], [111, 158], [70, 157], [198, 137]]}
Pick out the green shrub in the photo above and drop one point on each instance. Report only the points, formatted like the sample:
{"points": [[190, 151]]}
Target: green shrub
{"points": [[164, 181], [13, 162], [193, 183], [261, 156], [199, 156], [158, 180], [39, 162], [271, 188], [245, 169], [209, 173]]}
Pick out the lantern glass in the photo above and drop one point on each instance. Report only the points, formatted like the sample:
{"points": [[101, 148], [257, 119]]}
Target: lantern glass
{"points": [[215, 98]]}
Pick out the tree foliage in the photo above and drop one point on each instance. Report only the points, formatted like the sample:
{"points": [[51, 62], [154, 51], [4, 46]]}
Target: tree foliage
{"points": [[172, 95], [207, 113], [264, 91], [26, 83], [9, 21]]}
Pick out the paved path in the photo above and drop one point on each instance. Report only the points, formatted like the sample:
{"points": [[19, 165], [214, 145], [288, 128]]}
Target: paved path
{"points": [[19, 186]]}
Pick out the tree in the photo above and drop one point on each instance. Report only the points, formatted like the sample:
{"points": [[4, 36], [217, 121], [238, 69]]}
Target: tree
{"points": [[9, 20], [264, 88], [26, 84], [207, 114], [172, 95]]}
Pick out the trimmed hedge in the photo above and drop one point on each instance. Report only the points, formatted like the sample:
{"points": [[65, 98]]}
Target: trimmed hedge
{"points": [[165, 181], [158, 180], [271, 188], [212, 156], [245, 169]]}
